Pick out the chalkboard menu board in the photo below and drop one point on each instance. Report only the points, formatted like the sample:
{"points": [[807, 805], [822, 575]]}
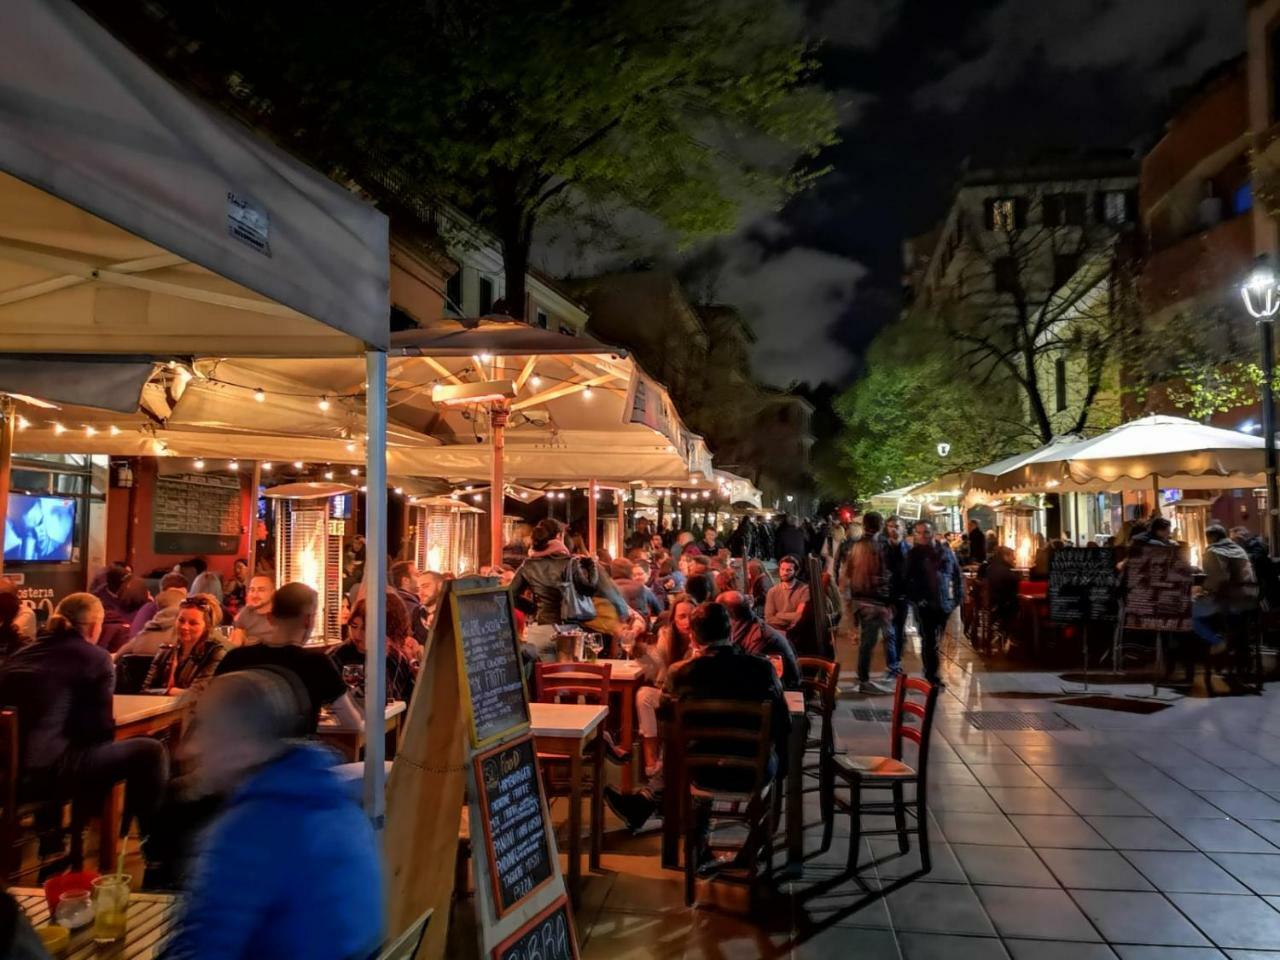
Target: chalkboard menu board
{"points": [[519, 855], [493, 677], [193, 513], [1083, 585], [548, 936], [1158, 589]]}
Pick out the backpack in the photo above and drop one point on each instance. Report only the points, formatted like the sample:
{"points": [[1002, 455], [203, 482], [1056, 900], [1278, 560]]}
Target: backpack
{"points": [[577, 589]]}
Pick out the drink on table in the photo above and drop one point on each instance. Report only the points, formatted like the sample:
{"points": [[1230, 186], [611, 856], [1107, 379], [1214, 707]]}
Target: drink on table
{"points": [[111, 906]]}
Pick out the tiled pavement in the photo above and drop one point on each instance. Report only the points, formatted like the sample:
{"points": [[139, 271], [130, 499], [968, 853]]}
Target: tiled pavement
{"points": [[1129, 836]]}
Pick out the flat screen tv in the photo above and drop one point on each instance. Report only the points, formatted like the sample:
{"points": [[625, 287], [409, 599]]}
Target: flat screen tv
{"points": [[39, 529]]}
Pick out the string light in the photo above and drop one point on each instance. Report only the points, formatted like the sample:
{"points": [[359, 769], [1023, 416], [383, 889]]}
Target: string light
{"points": [[297, 464], [59, 429], [351, 446], [90, 432], [328, 474], [586, 392], [199, 464], [266, 467], [23, 422], [485, 358], [323, 404], [536, 380], [234, 464], [113, 430], [260, 395], [355, 471], [399, 491], [477, 497]]}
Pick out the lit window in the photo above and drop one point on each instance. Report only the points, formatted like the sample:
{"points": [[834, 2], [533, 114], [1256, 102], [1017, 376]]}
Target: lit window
{"points": [[1115, 207], [1003, 214]]}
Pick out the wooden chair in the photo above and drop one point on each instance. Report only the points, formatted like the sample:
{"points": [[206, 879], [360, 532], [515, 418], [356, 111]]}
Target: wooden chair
{"points": [[407, 945], [18, 820], [819, 680], [890, 773], [718, 738]]}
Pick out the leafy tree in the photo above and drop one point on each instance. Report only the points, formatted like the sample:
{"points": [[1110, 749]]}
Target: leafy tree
{"points": [[514, 109]]}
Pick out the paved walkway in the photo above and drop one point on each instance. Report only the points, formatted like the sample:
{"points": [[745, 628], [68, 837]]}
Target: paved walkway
{"points": [[1110, 835]]}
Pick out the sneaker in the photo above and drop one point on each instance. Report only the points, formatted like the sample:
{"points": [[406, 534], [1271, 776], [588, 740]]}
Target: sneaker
{"points": [[632, 809], [873, 689], [892, 674]]}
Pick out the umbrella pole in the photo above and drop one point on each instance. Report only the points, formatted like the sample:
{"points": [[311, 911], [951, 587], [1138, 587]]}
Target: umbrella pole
{"points": [[9, 413], [1155, 495], [593, 491], [251, 554], [498, 421], [375, 582]]}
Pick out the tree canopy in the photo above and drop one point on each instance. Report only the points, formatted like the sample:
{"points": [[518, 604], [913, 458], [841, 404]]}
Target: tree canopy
{"points": [[512, 109]]}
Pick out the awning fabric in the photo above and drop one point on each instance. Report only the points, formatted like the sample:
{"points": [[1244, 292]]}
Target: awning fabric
{"points": [[108, 385], [133, 220], [1171, 451]]}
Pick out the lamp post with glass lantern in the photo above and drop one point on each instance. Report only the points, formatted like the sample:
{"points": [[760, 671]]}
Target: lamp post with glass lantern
{"points": [[1262, 299]]}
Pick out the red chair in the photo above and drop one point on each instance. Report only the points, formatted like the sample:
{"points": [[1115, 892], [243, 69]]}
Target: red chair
{"points": [[890, 773]]}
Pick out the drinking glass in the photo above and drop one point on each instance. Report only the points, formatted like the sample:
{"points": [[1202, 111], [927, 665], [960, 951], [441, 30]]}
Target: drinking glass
{"points": [[628, 644], [111, 907], [595, 643], [74, 910]]}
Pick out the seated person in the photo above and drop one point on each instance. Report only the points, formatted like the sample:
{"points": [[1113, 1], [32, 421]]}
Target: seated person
{"points": [[1228, 594], [631, 577], [400, 669], [430, 593], [290, 867], [253, 622], [674, 643], [759, 639], [699, 582], [189, 663], [170, 581], [716, 670], [293, 615], [62, 687], [159, 629]]}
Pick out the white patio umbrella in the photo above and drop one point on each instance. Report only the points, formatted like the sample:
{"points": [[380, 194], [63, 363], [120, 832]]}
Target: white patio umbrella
{"points": [[1143, 454]]}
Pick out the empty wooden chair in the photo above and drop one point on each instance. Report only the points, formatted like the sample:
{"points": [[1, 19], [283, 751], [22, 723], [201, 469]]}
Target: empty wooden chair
{"points": [[819, 680], [914, 702]]}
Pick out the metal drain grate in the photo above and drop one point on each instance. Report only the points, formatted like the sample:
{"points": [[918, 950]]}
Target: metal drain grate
{"points": [[872, 714], [1016, 720]]}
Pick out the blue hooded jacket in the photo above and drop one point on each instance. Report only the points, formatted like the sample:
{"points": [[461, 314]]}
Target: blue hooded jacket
{"points": [[289, 870]]}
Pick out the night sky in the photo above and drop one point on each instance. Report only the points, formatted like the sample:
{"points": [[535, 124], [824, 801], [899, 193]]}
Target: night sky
{"points": [[923, 84]]}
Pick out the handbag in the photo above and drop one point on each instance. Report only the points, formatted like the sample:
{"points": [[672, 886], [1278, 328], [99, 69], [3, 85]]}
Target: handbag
{"points": [[576, 605]]}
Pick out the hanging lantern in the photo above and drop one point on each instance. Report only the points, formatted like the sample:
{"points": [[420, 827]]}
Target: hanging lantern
{"points": [[309, 548]]}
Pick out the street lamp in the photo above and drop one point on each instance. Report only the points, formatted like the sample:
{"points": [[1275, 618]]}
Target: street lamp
{"points": [[1262, 299], [944, 448]]}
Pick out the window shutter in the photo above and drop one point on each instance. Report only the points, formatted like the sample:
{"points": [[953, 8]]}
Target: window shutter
{"points": [[1019, 213], [989, 213]]}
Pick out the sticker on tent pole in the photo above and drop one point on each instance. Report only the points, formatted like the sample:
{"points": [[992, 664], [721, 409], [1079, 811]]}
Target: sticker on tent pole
{"points": [[248, 222]]}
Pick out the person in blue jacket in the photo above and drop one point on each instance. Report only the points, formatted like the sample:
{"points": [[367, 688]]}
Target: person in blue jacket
{"points": [[290, 869]]}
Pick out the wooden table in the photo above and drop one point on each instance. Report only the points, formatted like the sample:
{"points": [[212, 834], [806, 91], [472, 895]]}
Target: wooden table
{"points": [[348, 740], [568, 729], [794, 792], [625, 678], [151, 919]]}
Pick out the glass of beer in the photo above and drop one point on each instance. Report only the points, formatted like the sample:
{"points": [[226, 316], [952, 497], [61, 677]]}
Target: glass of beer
{"points": [[111, 906]]}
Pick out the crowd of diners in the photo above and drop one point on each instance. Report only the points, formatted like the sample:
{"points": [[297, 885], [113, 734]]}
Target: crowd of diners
{"points": [[247, 790]]}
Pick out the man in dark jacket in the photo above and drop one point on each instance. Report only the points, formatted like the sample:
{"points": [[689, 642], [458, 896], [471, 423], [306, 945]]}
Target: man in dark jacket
{"points": [[896, 560], [790, 540], [757, 638], [718, 670], [977, 543], [1157, 535], [1264, 571], [632, 582], [933, 586]]}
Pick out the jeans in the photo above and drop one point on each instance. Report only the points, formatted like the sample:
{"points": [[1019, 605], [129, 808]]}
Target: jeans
{"points": [[893, 651], [931, 621], [1204, 621], [140, 762], [873, 622]]}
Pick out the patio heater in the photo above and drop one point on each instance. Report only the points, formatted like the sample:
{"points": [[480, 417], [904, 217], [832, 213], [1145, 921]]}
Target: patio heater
{"points": [[1262, 299], [309, 548], [445, 535], [1190, 517], [1017, 522]]}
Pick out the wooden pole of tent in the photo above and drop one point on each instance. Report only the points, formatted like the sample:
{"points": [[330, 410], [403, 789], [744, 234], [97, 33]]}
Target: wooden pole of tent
{"points": [[498, 414], [9, 413], [251, 549], [593, 491]]}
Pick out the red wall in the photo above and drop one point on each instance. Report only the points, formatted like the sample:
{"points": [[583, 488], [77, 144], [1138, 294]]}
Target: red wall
{"points": [[121, 518]]}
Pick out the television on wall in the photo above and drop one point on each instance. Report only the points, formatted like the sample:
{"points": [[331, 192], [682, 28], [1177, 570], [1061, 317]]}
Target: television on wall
{"points": [[39, 529]]}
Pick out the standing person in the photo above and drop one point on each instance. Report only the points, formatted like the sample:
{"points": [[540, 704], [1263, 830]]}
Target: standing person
{"points": [[62, 687], [1264, 571], [253, 622], [790, 540], [290, 868], [543, 576], [933, 588], [1229, 592], [293, 616], [631, 577], [741, 542], [787, 601], [977, 543], [837, 533], [516, 549], [896, 558], [710, 544], [868, 576]]}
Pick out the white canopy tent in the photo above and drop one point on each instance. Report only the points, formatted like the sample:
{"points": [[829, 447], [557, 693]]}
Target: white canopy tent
{"points": [[1143, 454], [135, 224]]}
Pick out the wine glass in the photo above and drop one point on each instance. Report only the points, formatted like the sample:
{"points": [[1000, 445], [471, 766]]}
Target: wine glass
{"points": [[595, 643], [628, 640]]}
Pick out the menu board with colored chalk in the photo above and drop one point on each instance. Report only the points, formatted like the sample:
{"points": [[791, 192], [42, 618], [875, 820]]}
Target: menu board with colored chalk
{"points": [[548, 936], [493, 675], [1083, 585], [515, 831]]}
